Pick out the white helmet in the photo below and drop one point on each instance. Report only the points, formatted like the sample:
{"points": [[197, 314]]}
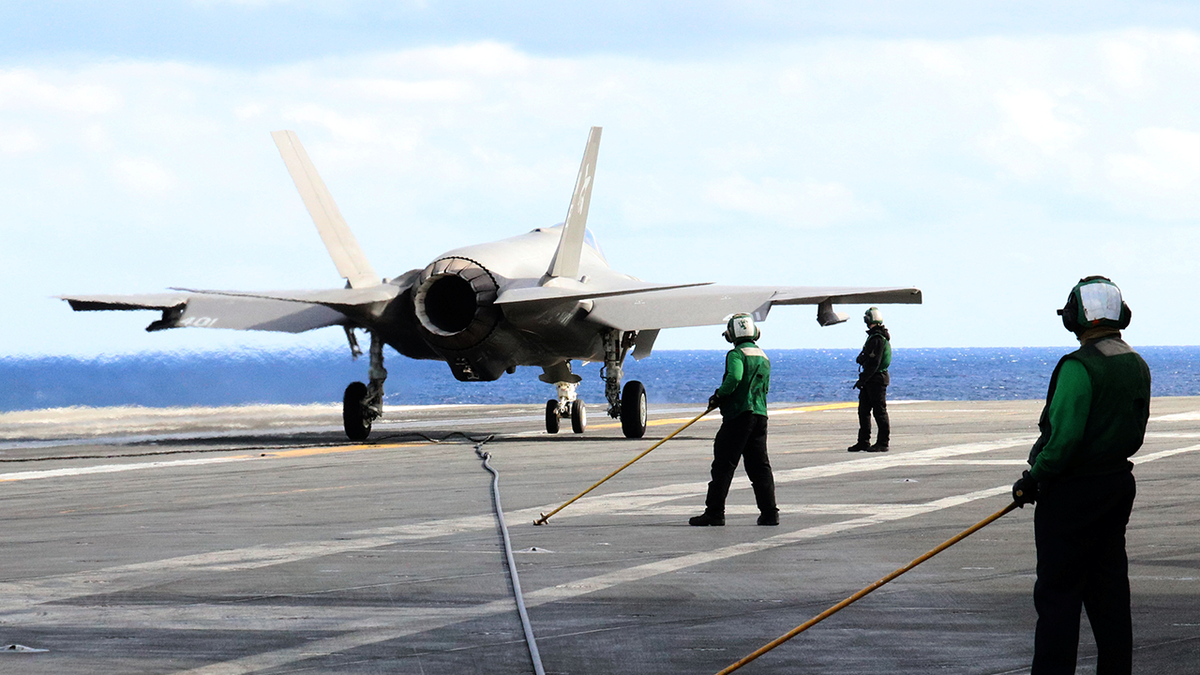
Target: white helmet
{"points": [[741, 326], [872, 316]]}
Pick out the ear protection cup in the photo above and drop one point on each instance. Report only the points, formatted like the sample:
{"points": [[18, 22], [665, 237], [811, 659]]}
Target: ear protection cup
{"points": [[1070, 313], [1126, 315]]}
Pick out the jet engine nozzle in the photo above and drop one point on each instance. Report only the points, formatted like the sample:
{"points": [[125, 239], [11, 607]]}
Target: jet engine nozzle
{"points": [[454, 300]]}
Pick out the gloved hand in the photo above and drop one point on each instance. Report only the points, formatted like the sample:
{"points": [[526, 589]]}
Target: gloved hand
{"points": [[714, 402], [1025, 490], [857, 385]]}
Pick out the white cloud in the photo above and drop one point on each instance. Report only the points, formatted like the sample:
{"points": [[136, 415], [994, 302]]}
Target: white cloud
{"points": [[1032, 137], [23, 89], [16, 141], [143, 175], [792, 203], [1164, 178], [417, 91], [353, 128]]}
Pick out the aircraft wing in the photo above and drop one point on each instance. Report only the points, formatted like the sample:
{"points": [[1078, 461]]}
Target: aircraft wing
{"points": [[202, 310], [712, 305], [554, 294], [336, 298]]}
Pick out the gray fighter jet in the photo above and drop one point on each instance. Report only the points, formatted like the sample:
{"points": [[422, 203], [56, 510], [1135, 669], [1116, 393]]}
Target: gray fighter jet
{"points": [[544, 298]]}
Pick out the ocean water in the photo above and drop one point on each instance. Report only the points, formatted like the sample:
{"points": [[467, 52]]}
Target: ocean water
{"points": [[244, 377]]}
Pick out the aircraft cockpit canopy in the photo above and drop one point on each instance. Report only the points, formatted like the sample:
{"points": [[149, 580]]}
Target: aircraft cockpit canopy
{"points": [[588, 238]]}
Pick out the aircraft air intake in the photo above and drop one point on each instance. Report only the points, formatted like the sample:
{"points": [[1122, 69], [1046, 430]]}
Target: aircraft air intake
{"points": [[454, 301]]}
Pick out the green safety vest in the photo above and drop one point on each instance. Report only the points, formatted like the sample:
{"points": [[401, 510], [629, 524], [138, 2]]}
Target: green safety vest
{"points": [[747, 380], [1116, 418]]}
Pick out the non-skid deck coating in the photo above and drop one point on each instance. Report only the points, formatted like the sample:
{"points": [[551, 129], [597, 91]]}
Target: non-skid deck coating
{"points": [[257, 540]]}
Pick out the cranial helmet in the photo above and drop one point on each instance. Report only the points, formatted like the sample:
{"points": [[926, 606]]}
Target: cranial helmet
{"points": [[741, 326], [1095, 301], [872, 316]]}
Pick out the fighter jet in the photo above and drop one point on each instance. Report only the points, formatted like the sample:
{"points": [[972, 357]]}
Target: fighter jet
{"points": [[544, 298]]}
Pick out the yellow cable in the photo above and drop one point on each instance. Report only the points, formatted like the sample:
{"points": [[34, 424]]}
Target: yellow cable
{"points": [[832, 610], [546, 516]]}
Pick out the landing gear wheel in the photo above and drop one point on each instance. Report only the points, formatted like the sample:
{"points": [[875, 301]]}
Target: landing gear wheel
{"points": [[633, 409], [578, 416], [552, 417], [354, 413]]}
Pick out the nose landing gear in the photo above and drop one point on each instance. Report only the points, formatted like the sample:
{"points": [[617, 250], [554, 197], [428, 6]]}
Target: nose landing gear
{"points": [[627, 404], [567, 404]]}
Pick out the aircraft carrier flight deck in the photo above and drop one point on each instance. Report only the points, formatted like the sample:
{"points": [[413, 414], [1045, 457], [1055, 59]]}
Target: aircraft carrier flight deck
{"points": [[258, 540]]}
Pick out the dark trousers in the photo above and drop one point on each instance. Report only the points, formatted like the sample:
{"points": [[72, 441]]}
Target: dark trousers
{"points": [[1079, 527], [741, 436], [872, 399]]}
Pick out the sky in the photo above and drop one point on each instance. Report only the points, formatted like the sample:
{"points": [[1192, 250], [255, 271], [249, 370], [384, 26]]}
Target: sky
{"points": [[989, 153]]}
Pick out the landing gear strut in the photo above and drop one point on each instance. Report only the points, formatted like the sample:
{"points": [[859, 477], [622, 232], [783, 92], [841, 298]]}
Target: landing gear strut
{"points": [[628, 404], [362, 404]]}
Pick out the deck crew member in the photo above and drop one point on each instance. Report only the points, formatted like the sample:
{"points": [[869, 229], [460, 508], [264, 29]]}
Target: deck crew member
{"points": [[872, 384], [1080, 476], [742, 398]]}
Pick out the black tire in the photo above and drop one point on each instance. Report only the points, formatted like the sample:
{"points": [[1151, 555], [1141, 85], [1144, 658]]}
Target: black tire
{"points": [[633, 409], [552, 417], [353, 420], [578, 416]]}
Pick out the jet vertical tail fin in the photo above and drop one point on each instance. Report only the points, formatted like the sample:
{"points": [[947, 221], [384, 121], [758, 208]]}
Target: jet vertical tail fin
{"points": [[349, 258], [566, 259]]}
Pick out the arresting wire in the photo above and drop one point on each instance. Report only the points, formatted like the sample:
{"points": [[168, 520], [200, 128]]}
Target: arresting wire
{"points": [[534, 656]]}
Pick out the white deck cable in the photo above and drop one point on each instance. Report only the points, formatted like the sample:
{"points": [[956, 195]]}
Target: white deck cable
{"points": [[512, 565]]}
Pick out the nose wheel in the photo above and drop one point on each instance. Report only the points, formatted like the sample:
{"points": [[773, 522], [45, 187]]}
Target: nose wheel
{"points": [[576, 410]]}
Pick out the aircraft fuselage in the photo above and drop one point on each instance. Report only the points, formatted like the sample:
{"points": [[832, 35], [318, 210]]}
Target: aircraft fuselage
{"points": [[448, 312]]}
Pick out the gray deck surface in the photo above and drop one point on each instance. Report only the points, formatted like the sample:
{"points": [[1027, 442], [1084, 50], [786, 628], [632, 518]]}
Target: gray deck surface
{"points": [[258, 540]]}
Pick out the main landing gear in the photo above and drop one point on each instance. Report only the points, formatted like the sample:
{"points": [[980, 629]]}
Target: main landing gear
{"points": [[627, 404], [362, 404]]}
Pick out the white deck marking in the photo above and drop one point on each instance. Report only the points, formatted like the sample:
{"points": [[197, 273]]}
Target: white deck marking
{"points": [[117, 468]]}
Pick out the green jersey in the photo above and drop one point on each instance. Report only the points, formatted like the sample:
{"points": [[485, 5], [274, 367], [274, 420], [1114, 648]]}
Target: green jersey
{"points": [[1095, 414], [746, 382]]}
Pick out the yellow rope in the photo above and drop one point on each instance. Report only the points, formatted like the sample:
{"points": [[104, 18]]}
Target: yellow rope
{"points": [[546, 516], [832, 610]]}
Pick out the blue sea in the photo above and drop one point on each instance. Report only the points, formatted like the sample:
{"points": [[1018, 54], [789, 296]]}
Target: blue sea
{"points": [[825, 375]]}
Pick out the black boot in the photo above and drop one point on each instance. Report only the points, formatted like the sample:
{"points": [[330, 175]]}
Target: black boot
{"points": [[769, 518], [860, 446], [878, 447], [706, 518]]}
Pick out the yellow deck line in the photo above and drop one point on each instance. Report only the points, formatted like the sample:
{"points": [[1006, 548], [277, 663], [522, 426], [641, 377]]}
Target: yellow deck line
{"points": [[334, 449], [782, 411]]}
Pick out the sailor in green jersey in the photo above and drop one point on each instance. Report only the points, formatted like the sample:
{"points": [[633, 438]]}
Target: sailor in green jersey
{"points": [[1080, 476], [742, 398], [872, 384]]}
